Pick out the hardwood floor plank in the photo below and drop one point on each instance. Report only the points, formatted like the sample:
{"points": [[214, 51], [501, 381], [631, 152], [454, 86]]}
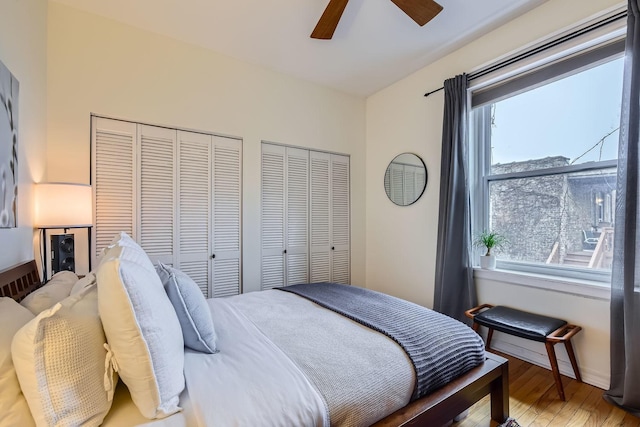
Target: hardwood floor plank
{"points": [[599, 410], [571, 406], [525, 398], [615, 417], [600, 414], [534, 402], [556, 406], [547, 408], [630, 421], [579, 419]]}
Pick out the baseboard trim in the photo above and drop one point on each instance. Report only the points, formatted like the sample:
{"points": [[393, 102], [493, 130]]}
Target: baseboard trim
{"points": [[512, 348]]}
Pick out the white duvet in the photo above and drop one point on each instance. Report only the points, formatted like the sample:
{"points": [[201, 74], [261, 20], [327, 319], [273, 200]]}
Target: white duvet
{"points": [[250, 380], [358, 374]]}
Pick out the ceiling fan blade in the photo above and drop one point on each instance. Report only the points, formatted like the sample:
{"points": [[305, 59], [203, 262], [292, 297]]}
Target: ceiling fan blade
{"points": [[421, 11], [329, 20]]}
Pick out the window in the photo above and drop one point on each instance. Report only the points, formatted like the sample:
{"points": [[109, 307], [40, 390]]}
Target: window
{"points": [[544, 150]]}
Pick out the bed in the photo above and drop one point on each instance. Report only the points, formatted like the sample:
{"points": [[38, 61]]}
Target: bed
{"points": [[437, 408]]}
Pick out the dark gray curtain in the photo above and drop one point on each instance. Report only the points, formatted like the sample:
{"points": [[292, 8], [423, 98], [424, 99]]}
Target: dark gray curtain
{"points": [[625, 281], [454, 288]]}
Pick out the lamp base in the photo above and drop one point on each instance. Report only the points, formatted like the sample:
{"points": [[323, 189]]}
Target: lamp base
{"points": [[62, 253]]}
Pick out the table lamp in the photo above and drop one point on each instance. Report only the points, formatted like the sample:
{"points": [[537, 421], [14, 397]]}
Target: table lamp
{"points": [[62, 206]]}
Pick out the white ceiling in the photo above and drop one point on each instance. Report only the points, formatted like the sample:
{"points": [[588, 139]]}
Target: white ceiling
{"points": [[375, 44]]}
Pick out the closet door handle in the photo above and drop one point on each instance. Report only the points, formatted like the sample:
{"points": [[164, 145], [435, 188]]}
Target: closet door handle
{"points": [[213, 256], [284, 252], [333, 248]]}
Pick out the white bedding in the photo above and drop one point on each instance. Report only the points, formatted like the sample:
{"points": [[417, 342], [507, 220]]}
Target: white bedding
{"points": [[362, 374], [124, 413], [332, 365], [250, 380]]}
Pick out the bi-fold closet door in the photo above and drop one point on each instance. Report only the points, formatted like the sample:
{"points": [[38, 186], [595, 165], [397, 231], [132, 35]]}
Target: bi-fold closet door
{"points": [[285, 217], [305, 216], [177, 193], [330, 213]]}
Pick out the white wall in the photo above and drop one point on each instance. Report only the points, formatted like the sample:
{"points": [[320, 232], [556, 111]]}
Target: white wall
{"points": [[23, 50], [100, 66], [401, 241]]}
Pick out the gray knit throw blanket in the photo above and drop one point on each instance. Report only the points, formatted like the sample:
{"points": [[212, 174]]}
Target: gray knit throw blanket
{"points": [[440, 348]]}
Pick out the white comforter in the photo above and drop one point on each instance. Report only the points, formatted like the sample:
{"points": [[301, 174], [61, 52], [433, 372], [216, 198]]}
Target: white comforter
{"points": [[362, 375], [250, 380], [332, 364]]}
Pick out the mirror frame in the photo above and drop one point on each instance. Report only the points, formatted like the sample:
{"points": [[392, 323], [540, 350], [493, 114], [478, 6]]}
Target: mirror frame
{"points": [[426, 178]]}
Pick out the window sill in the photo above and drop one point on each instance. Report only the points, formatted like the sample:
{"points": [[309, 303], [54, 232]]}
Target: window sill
{"points": [[582, 288]]}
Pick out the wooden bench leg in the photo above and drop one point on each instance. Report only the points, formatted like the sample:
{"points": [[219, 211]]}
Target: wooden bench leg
{"points": [[476, 328], [489, 337], [572, 357], [554, 368]]}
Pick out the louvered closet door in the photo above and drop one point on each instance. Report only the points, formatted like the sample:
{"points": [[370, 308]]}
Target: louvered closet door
{"points": [[157, 208], [297, 216], [114, 182], [227, 191], [320, 237], [194, 199], [272, 216], [329, 227], [340, 219]]}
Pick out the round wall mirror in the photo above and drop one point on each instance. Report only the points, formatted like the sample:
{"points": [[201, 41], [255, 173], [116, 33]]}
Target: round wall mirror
{"points": [[405, 179]]}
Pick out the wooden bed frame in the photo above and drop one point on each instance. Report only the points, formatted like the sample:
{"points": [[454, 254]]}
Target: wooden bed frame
{"points": [[19, 281], [441, 406], [438, 408]]}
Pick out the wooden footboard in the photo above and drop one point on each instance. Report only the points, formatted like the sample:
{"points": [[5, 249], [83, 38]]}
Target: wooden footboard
{"points": [[440, 407]]}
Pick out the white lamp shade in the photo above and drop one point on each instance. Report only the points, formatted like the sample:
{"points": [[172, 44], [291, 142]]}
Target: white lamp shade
{"points": [[61, 205]]}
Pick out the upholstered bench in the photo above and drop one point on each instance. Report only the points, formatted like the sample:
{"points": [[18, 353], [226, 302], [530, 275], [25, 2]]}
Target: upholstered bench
{"points": [[530, 326]]}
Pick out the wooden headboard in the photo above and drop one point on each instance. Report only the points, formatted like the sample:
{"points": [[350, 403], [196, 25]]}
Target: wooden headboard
{"points": [[20, 280]]}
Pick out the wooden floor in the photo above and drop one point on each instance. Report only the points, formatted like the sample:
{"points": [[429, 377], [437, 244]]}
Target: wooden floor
{"points": [[534, 402]]}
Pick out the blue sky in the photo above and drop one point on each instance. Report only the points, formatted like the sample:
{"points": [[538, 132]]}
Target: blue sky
{"points": [[564, 118]]}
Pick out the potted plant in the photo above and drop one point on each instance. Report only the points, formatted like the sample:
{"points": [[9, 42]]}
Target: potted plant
{"points": [[490, 240]]}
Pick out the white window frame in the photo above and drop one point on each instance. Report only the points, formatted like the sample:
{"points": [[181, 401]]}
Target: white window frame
{"points": [[574, 280]]}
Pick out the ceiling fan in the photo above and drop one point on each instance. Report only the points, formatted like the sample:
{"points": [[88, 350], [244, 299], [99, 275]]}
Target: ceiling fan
{"points": [[421, 11]]}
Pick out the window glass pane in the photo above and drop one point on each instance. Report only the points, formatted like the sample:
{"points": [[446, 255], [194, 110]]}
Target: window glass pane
{"points": [[560, 220], [572, 120]]}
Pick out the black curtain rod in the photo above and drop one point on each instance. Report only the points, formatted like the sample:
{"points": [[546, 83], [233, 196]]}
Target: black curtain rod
{"points": [[541, 48]]}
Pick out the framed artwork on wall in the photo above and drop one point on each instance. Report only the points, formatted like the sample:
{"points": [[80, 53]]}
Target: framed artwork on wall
{"points": [[9, 87]]}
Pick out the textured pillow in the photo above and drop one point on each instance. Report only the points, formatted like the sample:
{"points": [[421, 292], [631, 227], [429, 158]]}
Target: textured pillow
{"points": [[142, 328], [14, 410], [60, 360], [191, 308], [54, 291], [85, 282]]}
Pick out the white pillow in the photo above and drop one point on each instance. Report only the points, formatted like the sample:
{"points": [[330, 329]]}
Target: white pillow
{"points": [[191, 308], [60, 361], [14, 410], [85, 282], [142, 328], [54, 291]]}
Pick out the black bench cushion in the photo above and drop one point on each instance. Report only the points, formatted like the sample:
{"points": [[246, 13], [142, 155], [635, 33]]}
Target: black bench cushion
{"points": [[519, 323]]}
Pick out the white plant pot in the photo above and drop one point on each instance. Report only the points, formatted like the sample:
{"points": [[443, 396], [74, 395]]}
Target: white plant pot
{"points": [[488, 262]]}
